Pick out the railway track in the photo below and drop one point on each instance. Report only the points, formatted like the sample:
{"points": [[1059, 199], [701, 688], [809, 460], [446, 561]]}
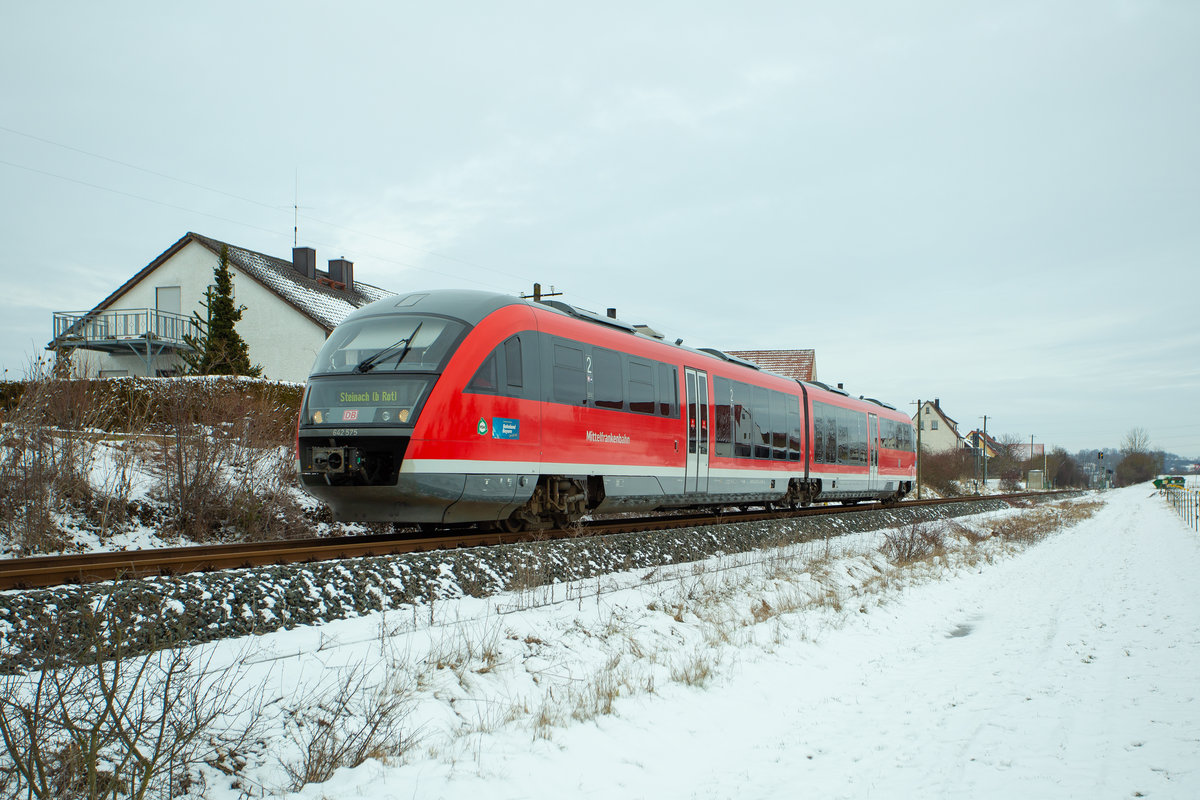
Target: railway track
{"points": [[42, 571]]}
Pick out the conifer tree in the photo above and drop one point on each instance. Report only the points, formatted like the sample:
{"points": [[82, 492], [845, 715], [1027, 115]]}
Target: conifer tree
{"points": [[219, 349]]}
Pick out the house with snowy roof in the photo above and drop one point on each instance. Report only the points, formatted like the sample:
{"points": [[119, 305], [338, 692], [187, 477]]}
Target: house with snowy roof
{"points": [[139, 329], [938, 431], [977, 439], [798, 364]]}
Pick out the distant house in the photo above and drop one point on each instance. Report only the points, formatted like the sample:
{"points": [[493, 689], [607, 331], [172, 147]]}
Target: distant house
{"points": [[139, 329], [938, 432], [798, 364], [977, 439]]}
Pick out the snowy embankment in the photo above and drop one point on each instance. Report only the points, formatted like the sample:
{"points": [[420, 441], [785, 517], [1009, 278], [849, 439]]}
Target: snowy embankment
{"points": [[1044, 652], [1068, 669]]}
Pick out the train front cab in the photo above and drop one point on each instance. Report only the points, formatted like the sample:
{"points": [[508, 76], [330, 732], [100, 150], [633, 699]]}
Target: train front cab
{"points": [[377, 392]]}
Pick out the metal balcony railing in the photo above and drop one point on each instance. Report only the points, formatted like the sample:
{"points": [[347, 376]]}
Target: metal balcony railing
{"points": [[109, 330]]}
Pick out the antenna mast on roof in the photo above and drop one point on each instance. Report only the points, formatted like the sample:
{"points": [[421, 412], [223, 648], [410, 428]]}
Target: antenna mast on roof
{"points": [[538, 294], [296, 211]]}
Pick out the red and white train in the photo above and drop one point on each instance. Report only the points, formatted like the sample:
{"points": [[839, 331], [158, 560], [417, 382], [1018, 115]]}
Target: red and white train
{"points": [[449, 407]]}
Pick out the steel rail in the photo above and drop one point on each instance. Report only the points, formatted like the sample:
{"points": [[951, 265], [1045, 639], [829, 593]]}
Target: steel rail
{"points": [[43, 571]]}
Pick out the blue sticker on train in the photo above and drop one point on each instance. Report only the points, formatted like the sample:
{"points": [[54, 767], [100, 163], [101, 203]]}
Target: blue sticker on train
{"points": [[506, 428]]}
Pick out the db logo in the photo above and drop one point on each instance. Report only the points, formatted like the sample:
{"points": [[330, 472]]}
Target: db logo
{"points": [[350, 415]]}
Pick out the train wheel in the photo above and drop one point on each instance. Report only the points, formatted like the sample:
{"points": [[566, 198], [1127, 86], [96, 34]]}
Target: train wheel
{"points": [[514, 524]]}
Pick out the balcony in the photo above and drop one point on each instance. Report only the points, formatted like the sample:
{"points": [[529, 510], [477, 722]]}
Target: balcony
{"points": [[146, 332]]}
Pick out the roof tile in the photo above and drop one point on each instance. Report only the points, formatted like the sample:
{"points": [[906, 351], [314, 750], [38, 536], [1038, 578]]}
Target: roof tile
{"points": [[797, 364]]}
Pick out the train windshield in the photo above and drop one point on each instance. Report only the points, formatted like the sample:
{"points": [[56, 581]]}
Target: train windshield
{"points": [[395, 343]]}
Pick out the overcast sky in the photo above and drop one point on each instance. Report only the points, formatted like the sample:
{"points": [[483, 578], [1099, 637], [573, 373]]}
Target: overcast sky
{"points": [[994, 204]]}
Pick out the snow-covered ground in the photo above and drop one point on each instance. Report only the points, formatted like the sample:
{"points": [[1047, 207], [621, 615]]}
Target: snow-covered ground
{"points": [[1069, 669]]}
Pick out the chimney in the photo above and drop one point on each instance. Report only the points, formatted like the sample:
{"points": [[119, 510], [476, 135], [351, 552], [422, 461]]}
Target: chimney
{"points": [[304, 260], [342, 271], [612, 313]]}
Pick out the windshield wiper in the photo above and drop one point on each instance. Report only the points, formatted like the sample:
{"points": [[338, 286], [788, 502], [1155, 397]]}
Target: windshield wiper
{"points": [[404, 345]]}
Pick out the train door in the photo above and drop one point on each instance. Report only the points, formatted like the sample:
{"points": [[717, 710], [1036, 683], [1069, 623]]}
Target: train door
{"points": [[696, 471], [873, 456]]}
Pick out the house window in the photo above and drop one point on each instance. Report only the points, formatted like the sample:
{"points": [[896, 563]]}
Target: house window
{"points": [[933, 425], [167, 298]]}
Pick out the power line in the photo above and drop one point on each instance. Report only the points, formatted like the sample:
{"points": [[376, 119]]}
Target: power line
{"points": [[136, 167], [252, 201], [98, 187], [132, 195]]}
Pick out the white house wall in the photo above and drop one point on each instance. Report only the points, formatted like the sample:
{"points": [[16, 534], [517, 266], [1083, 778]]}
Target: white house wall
{"points": [[944, 438], [280, 338]]}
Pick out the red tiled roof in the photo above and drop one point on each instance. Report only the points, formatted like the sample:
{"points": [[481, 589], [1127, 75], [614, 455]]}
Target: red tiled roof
{"points": [[798, 364]]}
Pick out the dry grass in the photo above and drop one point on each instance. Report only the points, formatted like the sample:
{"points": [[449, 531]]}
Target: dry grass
{"points": [[354, 722], [916, 542], [1037, 523]]}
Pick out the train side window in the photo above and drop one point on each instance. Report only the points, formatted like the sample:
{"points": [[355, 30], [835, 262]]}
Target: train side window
{"points": [[843, 436], [793, 427], [641, 387], [743, 421], [831, 434], [723, 416], [514, 373], [668, 391], [608, 385], [858, 451], [485, 381], [819, 433], [779, 425], [761, 416], [569, 381]]}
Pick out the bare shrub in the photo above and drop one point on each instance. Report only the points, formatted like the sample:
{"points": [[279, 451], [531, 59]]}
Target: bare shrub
{"points": [[946, 472], [47, 447], [95, 724], [221, 464], [915, 542], [1010, 481], [221, 450], [353, 722]]}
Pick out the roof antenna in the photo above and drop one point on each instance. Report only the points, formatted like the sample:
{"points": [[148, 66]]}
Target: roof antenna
{"points": [[296, 212]]}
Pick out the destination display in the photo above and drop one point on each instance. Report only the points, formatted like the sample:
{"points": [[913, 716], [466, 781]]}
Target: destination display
{"points": [[386, 400]]}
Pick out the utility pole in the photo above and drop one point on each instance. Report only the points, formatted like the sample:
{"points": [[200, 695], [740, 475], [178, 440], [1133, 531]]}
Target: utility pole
{"points": [[920, 425], [985, 444]]}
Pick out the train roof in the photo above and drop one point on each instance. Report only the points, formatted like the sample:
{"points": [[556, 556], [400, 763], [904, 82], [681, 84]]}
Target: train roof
{"points": [[472, 306], [469, 305]]}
